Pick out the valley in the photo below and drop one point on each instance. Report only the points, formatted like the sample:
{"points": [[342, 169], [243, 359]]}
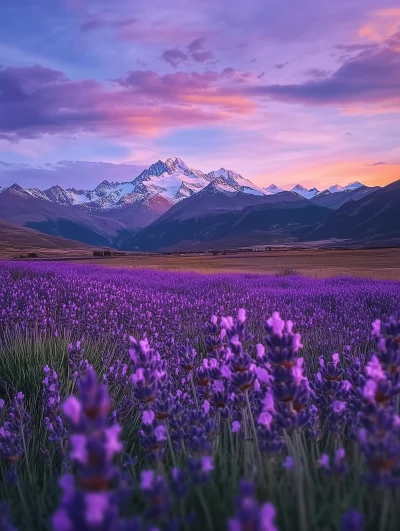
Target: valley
{"points": [[171, 207]]}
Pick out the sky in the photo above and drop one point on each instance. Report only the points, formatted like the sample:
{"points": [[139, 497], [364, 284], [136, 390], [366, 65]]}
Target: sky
{"points": [[280, 91]]}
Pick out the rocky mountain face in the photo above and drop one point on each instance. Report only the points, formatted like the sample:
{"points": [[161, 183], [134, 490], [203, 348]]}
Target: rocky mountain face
{"points": [[169, 202]]}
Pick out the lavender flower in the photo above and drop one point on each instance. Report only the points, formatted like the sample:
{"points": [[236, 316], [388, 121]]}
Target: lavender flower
{"points": [[5, 519], [249, 515], [14, 434], [89, 500], [352, 521]]}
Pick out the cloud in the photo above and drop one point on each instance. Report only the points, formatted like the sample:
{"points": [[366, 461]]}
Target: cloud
{"points": [[317, 73], [99, 23], [174, 57], [180, 87], [196, 45], [202, 56], [381, 25], [384, 164], [35, 101], [372, 77], [279, 66], [195, 51], [198, 52], [355, 47]]}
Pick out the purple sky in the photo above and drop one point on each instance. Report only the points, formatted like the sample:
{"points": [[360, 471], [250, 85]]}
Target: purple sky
{"points": [[280, 91]]}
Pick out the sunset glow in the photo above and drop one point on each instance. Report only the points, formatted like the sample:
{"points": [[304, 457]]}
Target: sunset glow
{"points": [[280, 92]]}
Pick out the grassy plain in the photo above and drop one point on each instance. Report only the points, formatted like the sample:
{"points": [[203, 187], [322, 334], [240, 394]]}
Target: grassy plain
{"points": [[383, 264]]}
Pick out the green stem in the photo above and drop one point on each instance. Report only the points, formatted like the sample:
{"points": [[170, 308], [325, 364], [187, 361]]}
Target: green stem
{"points": [[171, 448], [253, 426], [28, 513], [245, 441], [26, 455], [299, 481], [205, 509], [194, 390], [382, 523]]}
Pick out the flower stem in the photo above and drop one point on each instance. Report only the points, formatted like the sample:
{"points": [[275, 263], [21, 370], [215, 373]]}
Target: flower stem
{"points": [[205, 509], [26, 456], [253, 426], [194, 389]]}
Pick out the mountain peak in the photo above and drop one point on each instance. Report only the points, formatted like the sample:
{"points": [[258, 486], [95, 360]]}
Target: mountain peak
{"points": [[176, 163], [16, 187], [222, 185], [353, 186]]}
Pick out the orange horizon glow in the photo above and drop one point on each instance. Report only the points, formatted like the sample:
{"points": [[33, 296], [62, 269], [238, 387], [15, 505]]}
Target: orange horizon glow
{"points": [[342, 173]]}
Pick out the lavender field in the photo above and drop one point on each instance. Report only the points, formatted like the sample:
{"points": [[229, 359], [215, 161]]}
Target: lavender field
{"points": [[146, 400]]}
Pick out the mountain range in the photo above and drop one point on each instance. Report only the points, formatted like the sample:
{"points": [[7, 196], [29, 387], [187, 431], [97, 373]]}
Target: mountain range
{"points": [[166, 182], [169, 204]]}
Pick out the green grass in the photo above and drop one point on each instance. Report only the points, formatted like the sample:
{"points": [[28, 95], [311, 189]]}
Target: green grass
{"points": [[306, 499]]}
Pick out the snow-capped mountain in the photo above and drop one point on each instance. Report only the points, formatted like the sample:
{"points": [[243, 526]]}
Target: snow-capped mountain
{"points": [[162, 184], [222, 184], [337, 188], [354, 186], [298, 189], [166, 179], [309, 193], [304, 192], [234, 179], [272, 189]]}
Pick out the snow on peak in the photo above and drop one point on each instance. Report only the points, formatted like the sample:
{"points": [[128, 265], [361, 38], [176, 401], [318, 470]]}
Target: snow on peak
{"points": [[354, 186], [17, 190], [272, 189], [185, 190], [222, 185], [307, 194], [235, 179], [167, 181], [336, 188]]}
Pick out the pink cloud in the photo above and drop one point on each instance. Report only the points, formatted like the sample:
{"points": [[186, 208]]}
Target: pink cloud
{"points": [[371, 77], [174, 57], [36, 100]]}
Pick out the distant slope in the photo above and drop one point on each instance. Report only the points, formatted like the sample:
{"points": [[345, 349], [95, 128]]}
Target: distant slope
{"points": [[16, 240], [220, 195], [336, 200], [139, 214], [373, 218], [262, 222], [20, 208]]}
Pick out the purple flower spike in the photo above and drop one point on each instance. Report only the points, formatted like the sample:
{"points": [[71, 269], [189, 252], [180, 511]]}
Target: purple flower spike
{"points": [[235, 426], [267, 514], [276, 323], [352, 521], [288, 463], [324, 461], [13, 436], [249, 515], [5, 520], [148, 416], [90, 499], [376, 328]]}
